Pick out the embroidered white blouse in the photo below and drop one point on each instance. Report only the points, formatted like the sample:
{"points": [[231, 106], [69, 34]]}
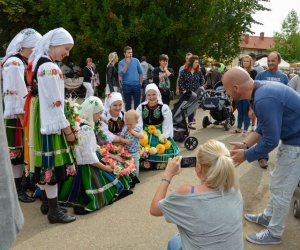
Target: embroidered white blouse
{"points": [[51, 98], [167, 125], [85, 150], [14, 87]]}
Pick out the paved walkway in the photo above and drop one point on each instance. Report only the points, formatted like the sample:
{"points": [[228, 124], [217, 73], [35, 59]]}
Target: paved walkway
{"points": [[127, 223]]}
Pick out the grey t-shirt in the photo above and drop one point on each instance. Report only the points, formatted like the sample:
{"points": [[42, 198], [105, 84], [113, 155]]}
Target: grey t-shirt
{"points": [[210, 221], [294, 83]]}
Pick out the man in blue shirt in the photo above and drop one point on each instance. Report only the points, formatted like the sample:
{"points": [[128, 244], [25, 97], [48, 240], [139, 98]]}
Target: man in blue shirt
{"points": [[131, 73], [271, 74], [278, 109]]}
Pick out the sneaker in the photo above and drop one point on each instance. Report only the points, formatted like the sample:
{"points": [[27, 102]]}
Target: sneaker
{"points": [[258, 219], [264, 237], [263, 163]]}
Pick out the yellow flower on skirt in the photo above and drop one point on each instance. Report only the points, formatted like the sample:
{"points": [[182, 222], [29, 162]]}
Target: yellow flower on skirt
{"points": [[151, 129], [152, 151], [167, 144], [144, 141], [160, 148]]}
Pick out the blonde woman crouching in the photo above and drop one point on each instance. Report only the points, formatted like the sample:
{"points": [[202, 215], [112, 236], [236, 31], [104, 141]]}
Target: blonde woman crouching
{"points": [[209, 214]]}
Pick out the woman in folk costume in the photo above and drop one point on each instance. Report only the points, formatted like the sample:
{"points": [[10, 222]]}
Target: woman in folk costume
{"points": [[113, 117], [94, 185], [14, 90], [52, 131], [156, 120]]}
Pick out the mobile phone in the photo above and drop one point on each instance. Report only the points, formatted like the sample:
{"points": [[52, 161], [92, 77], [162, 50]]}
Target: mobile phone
{"points": [[188, 162]]}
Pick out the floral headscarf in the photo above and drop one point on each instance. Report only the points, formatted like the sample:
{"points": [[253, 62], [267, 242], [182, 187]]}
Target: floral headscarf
{"points": [[89, 107]]}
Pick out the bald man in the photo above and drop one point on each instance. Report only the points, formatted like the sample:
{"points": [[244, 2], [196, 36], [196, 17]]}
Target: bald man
{"points": [[277, 108], [271, 74]]}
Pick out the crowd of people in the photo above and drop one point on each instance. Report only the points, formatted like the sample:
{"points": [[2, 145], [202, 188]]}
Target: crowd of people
{"points": [[88, 156]]}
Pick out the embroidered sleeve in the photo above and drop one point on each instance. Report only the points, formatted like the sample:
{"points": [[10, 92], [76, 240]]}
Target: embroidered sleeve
{"points": [[14, 87], [51, 97], [167, 127], [85, 151]]}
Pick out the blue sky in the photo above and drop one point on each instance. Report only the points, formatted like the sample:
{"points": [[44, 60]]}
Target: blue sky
{"points": [[272, 20]]}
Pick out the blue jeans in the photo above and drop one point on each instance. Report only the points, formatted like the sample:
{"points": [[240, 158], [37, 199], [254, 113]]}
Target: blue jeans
{"points": [[284, 180], [175, 243], [129, 92], [243, 117]]}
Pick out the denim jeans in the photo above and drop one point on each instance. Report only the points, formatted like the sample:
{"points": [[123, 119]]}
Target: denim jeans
{"points": [[129, 92], [243, 117], [284, 180], [175, 243]]}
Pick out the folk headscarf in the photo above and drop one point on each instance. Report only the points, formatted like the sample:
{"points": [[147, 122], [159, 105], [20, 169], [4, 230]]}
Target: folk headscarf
{"points": [[26, 38], [55, 37], [153, 86], [111, 98], [89, 107]]}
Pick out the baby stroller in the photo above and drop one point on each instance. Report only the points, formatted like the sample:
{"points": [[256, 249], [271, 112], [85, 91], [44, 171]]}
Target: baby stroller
{"points": [[73, 81], [219, 105], [296, 208], [187, 104]]}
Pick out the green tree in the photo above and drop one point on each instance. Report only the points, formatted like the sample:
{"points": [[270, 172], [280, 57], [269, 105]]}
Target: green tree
{"points": [[151, 27], [16, 15], [287, 42]]}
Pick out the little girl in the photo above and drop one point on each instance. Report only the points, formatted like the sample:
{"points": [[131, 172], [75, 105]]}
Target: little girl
{"points": [[131, 134]]}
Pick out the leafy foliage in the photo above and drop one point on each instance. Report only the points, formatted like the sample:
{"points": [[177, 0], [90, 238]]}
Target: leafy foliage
{"points": [[287, 42], [174, 27]]}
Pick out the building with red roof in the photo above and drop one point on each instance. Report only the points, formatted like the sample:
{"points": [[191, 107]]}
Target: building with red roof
{"points": [[254, 44]]}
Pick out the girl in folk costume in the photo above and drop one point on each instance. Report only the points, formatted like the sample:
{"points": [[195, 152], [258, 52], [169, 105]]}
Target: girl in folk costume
{"points": [[113, 116], [14, 90], [52, 131], [156, 119], [94, 186]]}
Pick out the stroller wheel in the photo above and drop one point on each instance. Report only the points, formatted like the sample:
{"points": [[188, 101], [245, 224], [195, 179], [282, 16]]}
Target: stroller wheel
{"points": [[191, 143], [232, 119], [205, 121], [227, 124], [296, 209]]}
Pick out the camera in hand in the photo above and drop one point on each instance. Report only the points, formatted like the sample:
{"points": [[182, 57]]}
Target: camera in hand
{"points": [[188, 162]]}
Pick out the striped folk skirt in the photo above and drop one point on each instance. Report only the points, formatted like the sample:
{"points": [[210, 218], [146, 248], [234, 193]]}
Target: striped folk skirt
{"points": [[91, 188], [29, 157], [51, 152]]}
